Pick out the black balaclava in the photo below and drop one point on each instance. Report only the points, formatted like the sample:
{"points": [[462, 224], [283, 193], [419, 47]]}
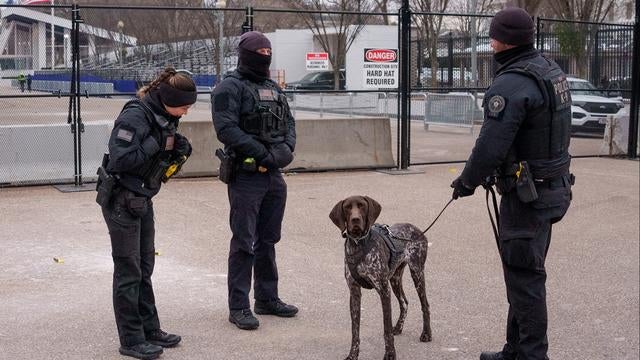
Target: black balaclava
{"points": [[251, 63]]}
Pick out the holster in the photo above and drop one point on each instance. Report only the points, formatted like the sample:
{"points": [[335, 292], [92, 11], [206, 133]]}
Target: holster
{"points": [[525, 185], [226, 172], [104, 187]]}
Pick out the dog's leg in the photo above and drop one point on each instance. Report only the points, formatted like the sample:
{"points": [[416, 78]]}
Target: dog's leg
{"points": [[385, 298], [417, 273], [354, 306], [396, 286]]}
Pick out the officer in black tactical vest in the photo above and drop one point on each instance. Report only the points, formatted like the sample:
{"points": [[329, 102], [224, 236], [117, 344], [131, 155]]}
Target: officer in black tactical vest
{"points": [[523, 146], [144, 151], [252, 119]]}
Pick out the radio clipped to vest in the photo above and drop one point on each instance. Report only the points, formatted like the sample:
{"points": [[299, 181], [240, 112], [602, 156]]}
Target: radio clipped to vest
{"points": [[267, 121]]}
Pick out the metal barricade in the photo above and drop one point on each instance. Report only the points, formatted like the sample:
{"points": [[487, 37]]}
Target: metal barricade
{"points": [[452, 109]]}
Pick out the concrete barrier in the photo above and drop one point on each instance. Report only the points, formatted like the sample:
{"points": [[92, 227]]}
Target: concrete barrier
{"points": [[44, 153], [322, 144]]}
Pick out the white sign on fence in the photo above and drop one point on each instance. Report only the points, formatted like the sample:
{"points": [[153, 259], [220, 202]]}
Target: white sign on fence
{"points": [[317, 61], [380, 68]]}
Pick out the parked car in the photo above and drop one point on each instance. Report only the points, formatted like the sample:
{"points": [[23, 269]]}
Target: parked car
{"points": [[460, 77], [319, 80], [589, 108]]}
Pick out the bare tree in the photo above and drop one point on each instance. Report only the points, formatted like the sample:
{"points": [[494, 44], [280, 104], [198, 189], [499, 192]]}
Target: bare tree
{"points": [[335, 32], [429, 29], [577, 39], [533, 7]]}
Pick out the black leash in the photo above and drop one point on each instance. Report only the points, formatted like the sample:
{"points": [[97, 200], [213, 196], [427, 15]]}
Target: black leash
{"points": [[437, 217], [495, 228]]}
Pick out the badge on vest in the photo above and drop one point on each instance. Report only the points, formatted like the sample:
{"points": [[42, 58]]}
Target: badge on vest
{"points": [[496, 106], [266, 95], [169, 144]]}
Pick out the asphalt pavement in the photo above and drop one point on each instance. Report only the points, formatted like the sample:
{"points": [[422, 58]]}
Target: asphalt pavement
{"points": [[63, 310]]}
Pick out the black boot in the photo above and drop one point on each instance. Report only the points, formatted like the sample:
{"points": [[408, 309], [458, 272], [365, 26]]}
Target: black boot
{"points": [[244, 319], [161, 338], [495, 356], [275, 307], [143, 350]]}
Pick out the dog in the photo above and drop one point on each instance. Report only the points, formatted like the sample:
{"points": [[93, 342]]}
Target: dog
{"points": [[376, 256]]}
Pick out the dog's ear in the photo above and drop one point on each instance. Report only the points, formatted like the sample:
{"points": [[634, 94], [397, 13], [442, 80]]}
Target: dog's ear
{"points": [[337, 216], [374, 210]]}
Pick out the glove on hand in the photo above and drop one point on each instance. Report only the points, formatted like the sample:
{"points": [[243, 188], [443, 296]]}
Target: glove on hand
{"points": [[182, 147], [460, 189], [279, 156]]}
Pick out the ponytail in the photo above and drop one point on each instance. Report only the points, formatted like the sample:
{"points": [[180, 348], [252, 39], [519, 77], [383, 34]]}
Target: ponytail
{"points": [[170, 76]]}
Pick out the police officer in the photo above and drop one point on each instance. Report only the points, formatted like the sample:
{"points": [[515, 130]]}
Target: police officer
{"points": [[252, 119], [525, 138], [143, 145]]}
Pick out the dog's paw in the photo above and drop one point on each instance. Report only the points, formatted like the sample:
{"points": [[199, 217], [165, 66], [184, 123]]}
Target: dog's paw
{"points": [[351, 357], [425, 337], [397, 330], [389, 356]]}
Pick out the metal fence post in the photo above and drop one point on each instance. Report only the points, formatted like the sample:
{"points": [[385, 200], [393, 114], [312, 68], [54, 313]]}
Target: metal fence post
{"points": [[632, 149], [248, 20], [405, 20], [450, 59], [538, 34]]}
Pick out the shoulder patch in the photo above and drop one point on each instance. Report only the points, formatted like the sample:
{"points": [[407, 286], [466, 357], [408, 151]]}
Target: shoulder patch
{"points": [[221, 101], [496, 104], [125, 135]]}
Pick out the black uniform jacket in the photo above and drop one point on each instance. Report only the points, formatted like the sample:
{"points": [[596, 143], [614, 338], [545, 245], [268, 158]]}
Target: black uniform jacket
{"points": [[134, 142], [502, 121], [232, 98]]}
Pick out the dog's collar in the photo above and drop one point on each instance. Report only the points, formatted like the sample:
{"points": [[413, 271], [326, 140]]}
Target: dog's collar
{"points": [[356, 240]]}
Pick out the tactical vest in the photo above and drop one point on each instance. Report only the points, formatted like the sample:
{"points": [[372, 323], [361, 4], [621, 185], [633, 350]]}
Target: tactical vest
{"points": [[163, 132], [544, 135], [267, 122]]}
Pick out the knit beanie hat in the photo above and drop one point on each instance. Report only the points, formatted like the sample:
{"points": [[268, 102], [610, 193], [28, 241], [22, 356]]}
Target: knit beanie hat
{"points": [[512, 26]]}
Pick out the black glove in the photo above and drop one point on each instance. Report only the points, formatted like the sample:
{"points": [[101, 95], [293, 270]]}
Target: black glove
{"points": [[460, 189], [182, 147], [279, 156]]}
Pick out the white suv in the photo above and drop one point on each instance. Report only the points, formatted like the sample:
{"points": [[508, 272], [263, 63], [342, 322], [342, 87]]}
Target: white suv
{"points": [[589, 109]]}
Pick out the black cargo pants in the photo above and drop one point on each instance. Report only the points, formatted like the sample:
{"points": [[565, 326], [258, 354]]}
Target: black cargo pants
{"points": [[525, 236], [131, 227], [257, 207]]}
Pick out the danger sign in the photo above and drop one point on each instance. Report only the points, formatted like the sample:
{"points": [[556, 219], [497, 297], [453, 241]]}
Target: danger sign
{"points": [[317, 61], [380, 68]]}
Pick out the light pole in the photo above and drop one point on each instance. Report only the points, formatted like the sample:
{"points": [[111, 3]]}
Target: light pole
{"points": [[120, 44], [66, 50], [219, 5]]}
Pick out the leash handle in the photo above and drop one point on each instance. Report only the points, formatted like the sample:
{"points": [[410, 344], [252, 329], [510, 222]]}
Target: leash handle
{"points": [[437, 217], [495, 225]]}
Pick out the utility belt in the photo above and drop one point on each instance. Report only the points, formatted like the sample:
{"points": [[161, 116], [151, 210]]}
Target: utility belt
{"points": [[160, 170], [519, 177], [230, 166]]}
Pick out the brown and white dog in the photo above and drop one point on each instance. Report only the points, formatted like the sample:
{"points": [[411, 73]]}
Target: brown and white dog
{"points": [[373, 262]]}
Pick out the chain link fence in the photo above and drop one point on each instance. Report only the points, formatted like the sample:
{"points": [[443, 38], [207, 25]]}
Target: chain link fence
{"points": [[61, 90]]}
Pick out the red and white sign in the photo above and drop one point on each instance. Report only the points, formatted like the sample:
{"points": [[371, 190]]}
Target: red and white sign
{"points": [[381, 55], [380, 68], [317, 61]]}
